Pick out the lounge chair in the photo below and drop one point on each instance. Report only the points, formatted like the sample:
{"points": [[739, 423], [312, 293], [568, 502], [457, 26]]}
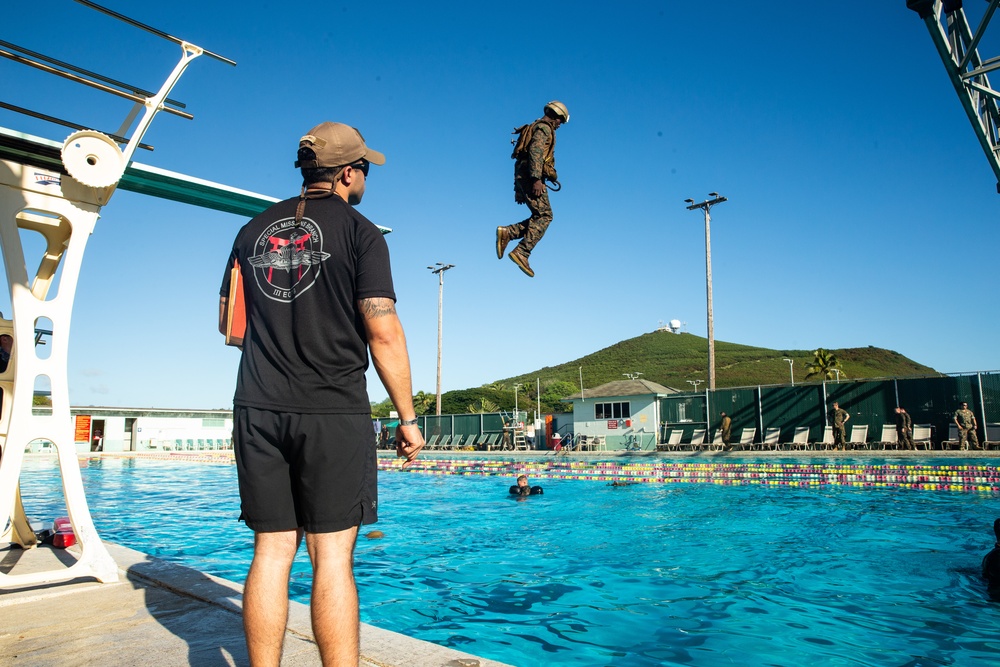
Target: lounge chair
{"points": [[746, 438], [800, 440], [952, 440], [859, 436], [772, 439], [698, 438], [922, 436], [433, 442], [674, 439], [486, 441], [827, 437], [599, 443], [992, 436], [889, 436], [717, 443]]}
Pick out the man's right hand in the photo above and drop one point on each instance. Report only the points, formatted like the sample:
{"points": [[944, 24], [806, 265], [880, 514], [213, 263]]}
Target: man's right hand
{"points": [[538, 188], [409, 442]]}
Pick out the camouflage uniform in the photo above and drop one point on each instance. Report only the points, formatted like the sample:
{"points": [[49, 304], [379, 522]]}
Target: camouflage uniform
{"points": [[727, 428], [904, 429], [838, 417], [528, 168], [966, 421]]}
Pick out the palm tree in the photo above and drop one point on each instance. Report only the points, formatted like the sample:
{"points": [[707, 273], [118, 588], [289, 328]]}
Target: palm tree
{"points": [[422, 402], [823, 364], [485, 405]]}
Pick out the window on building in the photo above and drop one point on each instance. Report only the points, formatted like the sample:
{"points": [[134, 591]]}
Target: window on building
{"points": [[209, 422], [622, 410]]}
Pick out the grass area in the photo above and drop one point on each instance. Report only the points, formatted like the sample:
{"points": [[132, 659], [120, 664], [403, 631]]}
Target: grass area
{"points": [[672, 359]]}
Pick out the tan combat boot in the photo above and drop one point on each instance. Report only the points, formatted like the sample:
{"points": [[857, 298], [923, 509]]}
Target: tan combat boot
{"points": [[503, 238], [521, 259]]}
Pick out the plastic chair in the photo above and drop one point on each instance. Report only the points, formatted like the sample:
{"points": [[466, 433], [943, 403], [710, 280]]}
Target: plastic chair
{"points": [[889, 436], [859, 436], [772, 439]]}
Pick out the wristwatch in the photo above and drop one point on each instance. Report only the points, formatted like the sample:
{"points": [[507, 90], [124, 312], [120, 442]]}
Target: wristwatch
{"points": [[408, 422]]}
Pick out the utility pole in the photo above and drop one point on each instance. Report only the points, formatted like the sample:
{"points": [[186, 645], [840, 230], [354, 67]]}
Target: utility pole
{"points": [[439, 269], [791, 372], [705, 206]]}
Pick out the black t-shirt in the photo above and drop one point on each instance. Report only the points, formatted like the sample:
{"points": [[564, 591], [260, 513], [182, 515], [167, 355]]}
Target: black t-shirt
{"points": [[305, 349]]}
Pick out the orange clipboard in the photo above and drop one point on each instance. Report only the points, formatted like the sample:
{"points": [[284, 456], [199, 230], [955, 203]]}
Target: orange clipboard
{"points": [[236, 308]]}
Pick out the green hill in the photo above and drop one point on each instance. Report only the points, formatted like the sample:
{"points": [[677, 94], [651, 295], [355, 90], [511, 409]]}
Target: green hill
{"points": [[673, 359]]}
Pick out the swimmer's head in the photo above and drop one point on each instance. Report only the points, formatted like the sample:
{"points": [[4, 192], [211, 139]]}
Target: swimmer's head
{"points": [[522, 480]]}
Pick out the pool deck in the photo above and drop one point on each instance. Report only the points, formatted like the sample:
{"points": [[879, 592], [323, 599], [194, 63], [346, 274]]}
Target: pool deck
{"points": [[164, 614]]}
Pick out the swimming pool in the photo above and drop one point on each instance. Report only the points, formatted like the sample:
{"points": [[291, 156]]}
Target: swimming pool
{"points": [[645, 574]]}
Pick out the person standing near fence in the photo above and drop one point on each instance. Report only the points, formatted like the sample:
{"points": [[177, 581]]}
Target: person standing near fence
{"points": [[904, 429], [965, 420], [726, 426], [838, 418]]}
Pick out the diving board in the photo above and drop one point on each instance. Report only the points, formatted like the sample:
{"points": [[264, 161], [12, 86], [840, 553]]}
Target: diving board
{"points": [[143, 179]]}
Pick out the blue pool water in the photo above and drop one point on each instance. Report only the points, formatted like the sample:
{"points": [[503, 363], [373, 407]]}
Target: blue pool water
{"points": [[589, 574]]}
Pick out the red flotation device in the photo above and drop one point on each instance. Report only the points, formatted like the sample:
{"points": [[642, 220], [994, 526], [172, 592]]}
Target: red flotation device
{"points": [[64, 536]]}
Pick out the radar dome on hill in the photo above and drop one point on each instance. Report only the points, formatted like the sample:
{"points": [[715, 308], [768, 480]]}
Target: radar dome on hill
{"points": [[675, 326]]}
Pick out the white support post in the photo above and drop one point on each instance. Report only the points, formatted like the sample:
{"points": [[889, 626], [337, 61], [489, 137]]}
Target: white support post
{"points": [[64, 209], [64, 212]]}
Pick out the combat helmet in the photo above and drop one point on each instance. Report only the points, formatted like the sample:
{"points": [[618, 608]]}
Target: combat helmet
{"points": [[559, 109]]}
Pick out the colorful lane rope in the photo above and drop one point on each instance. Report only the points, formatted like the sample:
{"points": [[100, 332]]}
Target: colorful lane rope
{"points": [[965, 478]]}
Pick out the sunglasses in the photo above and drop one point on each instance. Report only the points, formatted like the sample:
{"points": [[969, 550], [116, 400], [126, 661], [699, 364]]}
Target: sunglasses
{"points": [[361, 166]]}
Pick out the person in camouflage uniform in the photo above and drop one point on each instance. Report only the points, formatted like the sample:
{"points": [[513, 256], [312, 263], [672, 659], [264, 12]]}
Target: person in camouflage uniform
{"points": [[534, 163], [904, 429], [838, 418], [727, 430], [965, 420]]}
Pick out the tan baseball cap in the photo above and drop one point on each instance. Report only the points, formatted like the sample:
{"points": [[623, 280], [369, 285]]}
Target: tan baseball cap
{"points": [[335, 145]]}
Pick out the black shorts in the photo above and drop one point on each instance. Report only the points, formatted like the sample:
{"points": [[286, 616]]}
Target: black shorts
{"points": [[313, 471]]}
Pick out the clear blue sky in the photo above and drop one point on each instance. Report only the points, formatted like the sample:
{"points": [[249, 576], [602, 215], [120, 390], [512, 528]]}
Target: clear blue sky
{"points": [[861, 210]]}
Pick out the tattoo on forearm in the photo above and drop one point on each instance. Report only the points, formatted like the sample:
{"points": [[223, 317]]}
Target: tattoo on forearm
{"points": [[373, 308]]}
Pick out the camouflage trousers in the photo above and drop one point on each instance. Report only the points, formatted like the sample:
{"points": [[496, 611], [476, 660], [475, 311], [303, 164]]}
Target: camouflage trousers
{"points": [[903, 438], [839, 435], [964, 435], [531, 230]]}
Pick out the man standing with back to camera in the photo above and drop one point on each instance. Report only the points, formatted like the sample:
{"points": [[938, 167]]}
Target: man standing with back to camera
{"points": [[319, 295]]}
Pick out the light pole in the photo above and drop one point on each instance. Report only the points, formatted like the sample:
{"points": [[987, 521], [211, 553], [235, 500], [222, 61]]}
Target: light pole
{"points": [[791, 372], [837, 371], [705, 206], [695, 383], [516, 387], [632, 376], [439, 269]]}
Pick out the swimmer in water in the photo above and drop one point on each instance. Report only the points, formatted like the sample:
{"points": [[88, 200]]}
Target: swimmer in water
{"points": [[522, 488]]}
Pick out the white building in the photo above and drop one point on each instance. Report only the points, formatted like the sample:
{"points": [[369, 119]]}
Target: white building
{"points": [[145, 429], [620, 409]]}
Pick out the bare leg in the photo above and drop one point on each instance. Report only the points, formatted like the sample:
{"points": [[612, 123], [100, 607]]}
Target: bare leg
{"points": [[265, 595], [335, 597]]}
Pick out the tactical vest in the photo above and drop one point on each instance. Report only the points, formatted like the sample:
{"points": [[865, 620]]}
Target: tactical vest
{"points": [[523, 140]]}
